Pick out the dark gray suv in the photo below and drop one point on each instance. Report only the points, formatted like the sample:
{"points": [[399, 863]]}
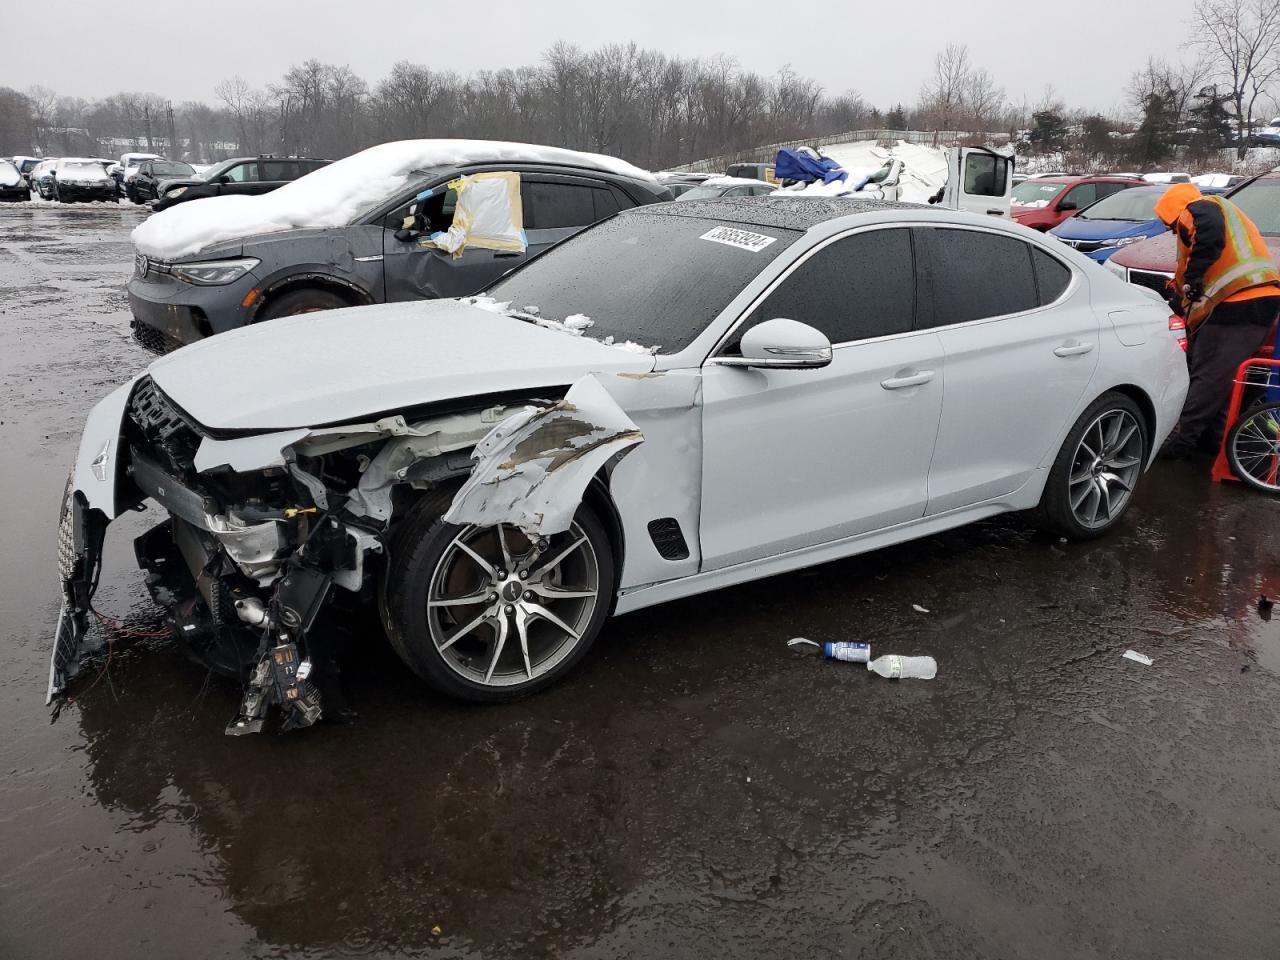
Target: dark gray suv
{"points": [[372, 260]]}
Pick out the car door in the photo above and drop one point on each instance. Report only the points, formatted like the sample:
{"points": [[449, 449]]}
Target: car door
{"points": [[794, 458], [978, 180], [1021, 344], [240, 179], [415, 270]]}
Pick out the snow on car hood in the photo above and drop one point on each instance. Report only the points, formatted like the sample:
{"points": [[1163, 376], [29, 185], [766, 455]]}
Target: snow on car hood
{"points": [[336, 194], [9, 175], [322, 368]]}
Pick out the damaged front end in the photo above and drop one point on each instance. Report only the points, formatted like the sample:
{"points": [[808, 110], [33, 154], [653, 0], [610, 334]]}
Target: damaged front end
{"points": [[261, 531]]}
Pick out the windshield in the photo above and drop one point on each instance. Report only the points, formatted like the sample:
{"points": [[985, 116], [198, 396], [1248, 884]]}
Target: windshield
{"points": [[82, 171], [653, 279], [173, 168], [1260, 202], [1035, 193], [1135, 205]]}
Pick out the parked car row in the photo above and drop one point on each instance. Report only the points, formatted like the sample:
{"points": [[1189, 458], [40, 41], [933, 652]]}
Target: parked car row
{"points": [[676, 399], [65, 179]]}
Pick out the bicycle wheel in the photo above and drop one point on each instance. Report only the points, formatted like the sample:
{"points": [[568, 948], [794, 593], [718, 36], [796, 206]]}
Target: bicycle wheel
{"points": [[1253, 448]]}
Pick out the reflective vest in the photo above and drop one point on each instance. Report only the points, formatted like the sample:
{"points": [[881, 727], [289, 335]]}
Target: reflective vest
{"points": [[1244, 262]]}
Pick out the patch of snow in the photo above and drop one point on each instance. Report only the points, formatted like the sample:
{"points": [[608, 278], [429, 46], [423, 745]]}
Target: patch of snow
{"points": [[9, 175], [1213, 179], [573, 325], [77, 168], [336, 194]]}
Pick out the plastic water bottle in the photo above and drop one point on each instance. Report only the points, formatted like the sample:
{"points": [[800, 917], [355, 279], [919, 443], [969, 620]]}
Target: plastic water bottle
{"points": [[895, 667], [848, 652]]}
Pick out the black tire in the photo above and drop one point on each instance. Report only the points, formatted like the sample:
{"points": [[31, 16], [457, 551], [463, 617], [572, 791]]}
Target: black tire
{"points": [[57, 194], [26, 195], [418, 546], [1055, 513], [1245, 451], [294, 302]]}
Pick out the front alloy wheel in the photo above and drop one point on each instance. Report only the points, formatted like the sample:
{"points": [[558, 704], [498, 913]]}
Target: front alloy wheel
{"points": [[1093, 478], [489, 613]]}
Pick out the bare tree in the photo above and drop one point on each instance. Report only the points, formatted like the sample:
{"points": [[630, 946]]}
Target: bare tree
{"points": [[1240, 39], [943, 95], [983, 100]]}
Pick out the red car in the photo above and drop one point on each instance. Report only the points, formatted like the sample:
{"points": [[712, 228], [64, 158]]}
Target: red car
{"points": [[1152, 262], [1042, 203]]}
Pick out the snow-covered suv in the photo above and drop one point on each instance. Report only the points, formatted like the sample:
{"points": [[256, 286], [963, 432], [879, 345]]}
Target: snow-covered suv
{"points": [[337, 237]]}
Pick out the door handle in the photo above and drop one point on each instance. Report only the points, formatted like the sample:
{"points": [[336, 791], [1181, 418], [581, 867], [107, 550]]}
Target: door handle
{"points": [[498, 255], [911, 380], [996, 212], [1072, 349]]}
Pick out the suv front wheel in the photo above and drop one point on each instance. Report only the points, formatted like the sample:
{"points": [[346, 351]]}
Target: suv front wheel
{"points": [[306, 300]]}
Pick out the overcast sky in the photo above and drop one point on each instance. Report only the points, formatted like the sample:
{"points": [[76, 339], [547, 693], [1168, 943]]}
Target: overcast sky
{"points": [[883, 50]]}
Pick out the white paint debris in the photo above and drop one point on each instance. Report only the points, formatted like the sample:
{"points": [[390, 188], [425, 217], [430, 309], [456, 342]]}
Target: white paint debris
{"points": [[339, 193], [1137, 657]]}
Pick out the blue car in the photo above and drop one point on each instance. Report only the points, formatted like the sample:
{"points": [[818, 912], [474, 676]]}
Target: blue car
{"points": [[1102, 228]]}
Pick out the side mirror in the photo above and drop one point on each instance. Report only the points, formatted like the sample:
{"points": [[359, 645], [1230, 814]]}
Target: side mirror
{"points": [[405, 235], [225, 178], [782, 344], [1068, 205]]}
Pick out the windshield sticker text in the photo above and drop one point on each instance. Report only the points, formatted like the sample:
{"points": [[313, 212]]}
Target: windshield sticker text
{"points": [[742, 239]]}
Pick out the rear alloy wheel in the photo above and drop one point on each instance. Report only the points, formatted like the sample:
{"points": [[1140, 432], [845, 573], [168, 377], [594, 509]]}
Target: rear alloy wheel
{"points": [[1093, 478], [307, 300], [1253, 448], [489, 614]]}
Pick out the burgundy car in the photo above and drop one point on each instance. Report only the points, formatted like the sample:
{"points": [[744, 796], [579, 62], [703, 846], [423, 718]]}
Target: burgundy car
{"points": [[1042, 203], [1151, 263]]}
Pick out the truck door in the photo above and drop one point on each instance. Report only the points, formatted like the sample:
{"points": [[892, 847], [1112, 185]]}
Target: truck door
{"points": [[978, 180]]}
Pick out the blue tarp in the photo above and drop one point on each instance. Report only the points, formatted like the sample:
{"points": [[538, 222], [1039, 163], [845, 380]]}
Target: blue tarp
{"points": [[793, 165]]}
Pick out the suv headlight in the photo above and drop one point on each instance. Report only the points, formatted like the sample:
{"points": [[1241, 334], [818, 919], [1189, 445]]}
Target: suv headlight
{"points": [[175, 192], [214, 272]]}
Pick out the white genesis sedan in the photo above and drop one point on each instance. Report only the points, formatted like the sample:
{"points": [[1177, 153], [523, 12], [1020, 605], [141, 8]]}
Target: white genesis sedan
{"points": [[684, 397]]}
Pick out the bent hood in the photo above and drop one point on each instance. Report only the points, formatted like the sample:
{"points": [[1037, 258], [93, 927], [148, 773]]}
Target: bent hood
{"points": [[323, 368]]}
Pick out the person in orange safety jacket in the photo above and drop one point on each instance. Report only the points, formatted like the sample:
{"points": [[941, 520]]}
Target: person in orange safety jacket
{"points": [[1228, 290]]}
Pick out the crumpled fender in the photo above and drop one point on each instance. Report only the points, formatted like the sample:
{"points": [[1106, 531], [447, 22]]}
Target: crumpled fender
{"points": [[94, 473], [533, 468]]}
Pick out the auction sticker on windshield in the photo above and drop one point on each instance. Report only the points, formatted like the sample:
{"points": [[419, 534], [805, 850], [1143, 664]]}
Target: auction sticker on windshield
{"points": [[742, 239]]}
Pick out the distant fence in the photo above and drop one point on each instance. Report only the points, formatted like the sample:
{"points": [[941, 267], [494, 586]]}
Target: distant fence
{"points": [[765, 154]]}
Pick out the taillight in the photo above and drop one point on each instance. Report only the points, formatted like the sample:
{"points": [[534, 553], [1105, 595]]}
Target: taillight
{"points": [[1177, 323]]}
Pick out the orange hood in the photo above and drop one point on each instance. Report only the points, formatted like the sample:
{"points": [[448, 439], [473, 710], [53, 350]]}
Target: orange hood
{"points": [[1176, 199]]}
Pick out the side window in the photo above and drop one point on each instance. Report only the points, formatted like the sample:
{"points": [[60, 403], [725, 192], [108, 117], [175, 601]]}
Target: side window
{"points": [[549, 206], [1107, 189], [606, 203], [432, 214], [279, 170], [978, 275], [1052, 276], [243, 173], [854, 289], [738, 192], [1082, 195], [985, 175]]}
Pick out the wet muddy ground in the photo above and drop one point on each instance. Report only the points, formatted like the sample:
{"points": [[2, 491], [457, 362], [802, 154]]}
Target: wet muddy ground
{"points": [[695, 789]]}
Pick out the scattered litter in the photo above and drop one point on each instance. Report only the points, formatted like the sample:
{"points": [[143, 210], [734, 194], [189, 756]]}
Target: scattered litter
{"points": [[895, 667], [436, 930], [797, 641], [1265, 604], [1137, 657], [919, 609]]}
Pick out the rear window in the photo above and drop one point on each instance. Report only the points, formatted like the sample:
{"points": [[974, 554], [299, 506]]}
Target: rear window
{"points": [[978, 275], [657, 280]]}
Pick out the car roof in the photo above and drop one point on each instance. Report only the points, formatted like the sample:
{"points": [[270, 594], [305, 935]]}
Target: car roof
{"points": [[786, 213]]}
